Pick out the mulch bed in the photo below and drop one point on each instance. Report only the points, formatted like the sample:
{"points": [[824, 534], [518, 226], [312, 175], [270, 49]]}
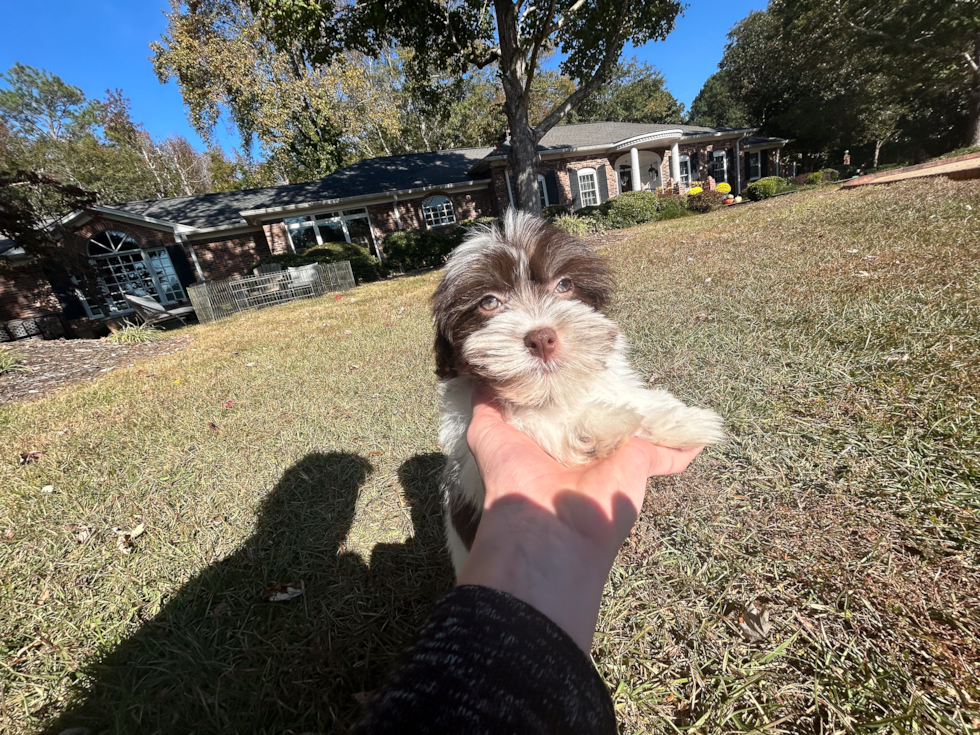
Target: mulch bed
{"points": [[59, 363]]}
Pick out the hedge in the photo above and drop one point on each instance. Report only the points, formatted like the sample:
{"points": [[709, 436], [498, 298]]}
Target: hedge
{"points": [[409, 250], [765, 188]]}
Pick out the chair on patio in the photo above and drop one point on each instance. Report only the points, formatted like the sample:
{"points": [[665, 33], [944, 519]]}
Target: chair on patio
{"points": [[153, 312]]}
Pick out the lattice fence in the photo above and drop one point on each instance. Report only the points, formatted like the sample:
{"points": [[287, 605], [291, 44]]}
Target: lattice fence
{"points": [[214, 300]]}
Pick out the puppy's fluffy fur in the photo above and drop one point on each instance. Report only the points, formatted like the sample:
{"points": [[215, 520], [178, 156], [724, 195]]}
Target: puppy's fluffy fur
{"points": [[523, 309]]}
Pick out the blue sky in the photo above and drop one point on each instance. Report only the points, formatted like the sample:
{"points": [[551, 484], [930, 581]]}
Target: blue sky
{"points": [[104, 44]]}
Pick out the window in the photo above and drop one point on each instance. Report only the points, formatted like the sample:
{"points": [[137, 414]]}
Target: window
{"points": [[543, 191], [685, 167], [438, 211], [719, 166], [755, 166], [625, 179], [587, 187], [350, 225], [123, 268]]}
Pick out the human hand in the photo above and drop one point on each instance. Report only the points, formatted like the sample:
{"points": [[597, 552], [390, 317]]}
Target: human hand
{"points": [[549, 534]]}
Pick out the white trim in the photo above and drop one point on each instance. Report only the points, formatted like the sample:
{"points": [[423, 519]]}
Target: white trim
{"points": [[681, 160], [197, 265], [723, 155], [544, 190], [595, 184], [758, 164], [438, 212]]}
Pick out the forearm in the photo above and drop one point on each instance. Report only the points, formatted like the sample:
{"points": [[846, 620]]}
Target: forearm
{"points": [[514, 552]]}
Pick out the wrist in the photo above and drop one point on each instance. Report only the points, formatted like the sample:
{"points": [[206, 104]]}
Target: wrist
{"points": [[527, 552]]}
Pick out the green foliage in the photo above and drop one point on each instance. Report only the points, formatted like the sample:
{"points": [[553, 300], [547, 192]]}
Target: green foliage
{"points": [[630, 208], [719, 104], [11, 361], [574, 225], [364, 265], [554, 211], [134, 334], [829, 174], [634, 92], [765, 188], [815, 178], [409, 250]]}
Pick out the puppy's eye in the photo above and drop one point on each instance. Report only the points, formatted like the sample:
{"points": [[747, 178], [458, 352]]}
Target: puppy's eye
{"points": [[490, 303], [564, 285]]}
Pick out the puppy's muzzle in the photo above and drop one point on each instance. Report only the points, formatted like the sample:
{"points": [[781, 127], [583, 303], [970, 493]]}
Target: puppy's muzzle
{"points": [[542, 342]]}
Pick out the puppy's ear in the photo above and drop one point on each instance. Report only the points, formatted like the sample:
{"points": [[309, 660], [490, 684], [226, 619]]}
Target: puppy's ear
{"points": [[445, 357]]}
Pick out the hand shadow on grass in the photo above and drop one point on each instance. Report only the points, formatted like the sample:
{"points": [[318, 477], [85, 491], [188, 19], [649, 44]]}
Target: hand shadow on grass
{"points": [[217, 659]]}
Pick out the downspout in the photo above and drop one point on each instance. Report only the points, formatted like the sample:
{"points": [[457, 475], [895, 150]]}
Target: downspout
{"points": [[394, 205], [510, 193], [197, 265], [738, 165]]}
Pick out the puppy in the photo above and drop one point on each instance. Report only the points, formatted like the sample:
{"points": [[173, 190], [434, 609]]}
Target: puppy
{"points": [[523, 309]]}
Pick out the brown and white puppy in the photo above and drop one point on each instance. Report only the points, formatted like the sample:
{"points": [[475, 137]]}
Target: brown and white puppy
{"points": [[522, 308]]}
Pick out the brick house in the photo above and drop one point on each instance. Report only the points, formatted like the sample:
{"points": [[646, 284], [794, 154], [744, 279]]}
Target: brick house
{"points": [[159, 247]]}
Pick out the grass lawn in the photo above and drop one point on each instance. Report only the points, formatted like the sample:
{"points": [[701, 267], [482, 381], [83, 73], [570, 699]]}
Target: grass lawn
{"points": [[837, 332]]}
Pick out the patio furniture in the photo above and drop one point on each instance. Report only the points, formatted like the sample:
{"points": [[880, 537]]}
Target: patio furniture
{"points": [[153, 312]]}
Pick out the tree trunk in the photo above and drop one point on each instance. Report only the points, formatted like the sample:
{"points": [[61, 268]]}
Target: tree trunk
{"points": [[523, 158], [878, 144], [975, 112]]}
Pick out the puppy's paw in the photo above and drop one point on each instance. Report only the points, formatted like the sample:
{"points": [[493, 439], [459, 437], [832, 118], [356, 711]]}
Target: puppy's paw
{"points": [[682, 427], [601, 430]]}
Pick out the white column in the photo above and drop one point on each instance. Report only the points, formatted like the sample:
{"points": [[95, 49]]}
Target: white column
{"points": [[675, 163], [635, 165], [738, 169]]}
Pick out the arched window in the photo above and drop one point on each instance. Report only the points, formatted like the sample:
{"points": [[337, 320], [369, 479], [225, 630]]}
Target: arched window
{"points": [[587, 186], [123, 268], [543, 192], [438, 211]]}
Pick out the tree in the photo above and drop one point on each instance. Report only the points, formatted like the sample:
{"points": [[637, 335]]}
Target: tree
{"points": [[719, 105], [452, 38], [38, 104], [634, 92]]}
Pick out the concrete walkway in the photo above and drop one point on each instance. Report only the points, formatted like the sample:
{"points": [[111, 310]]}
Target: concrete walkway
{"points": [[959, 167]]}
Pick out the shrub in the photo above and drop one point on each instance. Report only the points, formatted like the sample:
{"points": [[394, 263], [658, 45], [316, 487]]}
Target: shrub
{"points": [[364, 265], [134, 334], [409, 250], [631, 208], [573, 224], [671, 207], [815, 178], [694, 190], [723, 188], [10, 361], [829, 174], [553, 212], [765, 188], [702, 202]]}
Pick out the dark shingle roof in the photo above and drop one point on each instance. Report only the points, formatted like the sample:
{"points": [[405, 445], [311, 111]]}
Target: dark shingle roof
{"points": [[372, 176]]}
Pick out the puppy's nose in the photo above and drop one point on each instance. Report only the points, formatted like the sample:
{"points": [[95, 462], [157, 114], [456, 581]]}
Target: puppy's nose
{"points": [[541, 342]]}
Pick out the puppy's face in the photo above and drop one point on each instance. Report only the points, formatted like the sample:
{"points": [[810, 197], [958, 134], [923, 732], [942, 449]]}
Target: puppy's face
{"points": [[523, 309]]}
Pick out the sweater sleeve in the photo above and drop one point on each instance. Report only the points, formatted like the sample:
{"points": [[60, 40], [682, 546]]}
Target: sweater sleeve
{"points": [[486, 663]]}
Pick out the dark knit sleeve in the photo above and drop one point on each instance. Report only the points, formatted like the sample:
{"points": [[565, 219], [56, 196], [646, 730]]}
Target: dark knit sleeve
{"points": [[486, 662]]}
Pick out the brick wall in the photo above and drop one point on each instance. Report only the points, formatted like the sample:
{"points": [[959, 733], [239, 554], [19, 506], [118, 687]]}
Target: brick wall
{"points": [[276, 237], [231, 256], [25, 292]]}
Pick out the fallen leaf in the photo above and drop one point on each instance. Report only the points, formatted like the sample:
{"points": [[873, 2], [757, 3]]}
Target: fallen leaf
{"points": [[214, 427], [862, 274], [250, 364], [347, 331], [754, 622], [82, 533], [44, 596], [47, 489], [282, 591], [229, 404], [29, 457], [9, 533], [375, 454], [176, 381], [217, 520], [338, 297], [124, 539]]}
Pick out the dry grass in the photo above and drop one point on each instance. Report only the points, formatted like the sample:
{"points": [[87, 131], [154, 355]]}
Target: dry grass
{"points": [[838, 336]]}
